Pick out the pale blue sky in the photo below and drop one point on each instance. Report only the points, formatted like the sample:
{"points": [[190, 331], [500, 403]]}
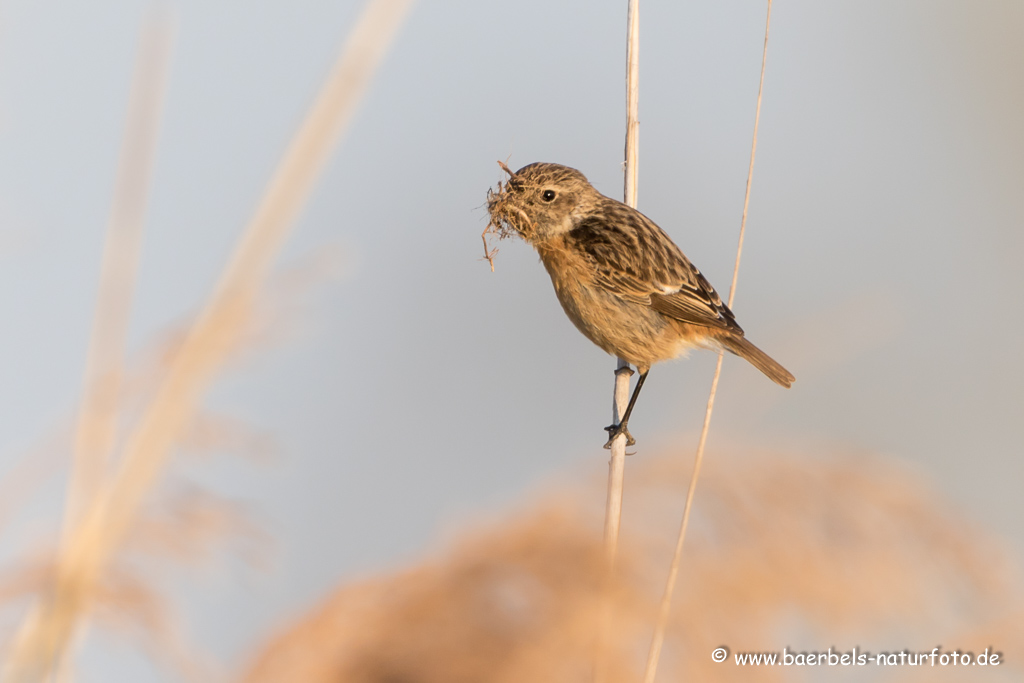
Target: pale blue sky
{"points": [[881, 265]]}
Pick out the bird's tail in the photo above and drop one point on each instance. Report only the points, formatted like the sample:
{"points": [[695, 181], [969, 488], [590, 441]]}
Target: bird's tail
{"points": [[759, 359]]}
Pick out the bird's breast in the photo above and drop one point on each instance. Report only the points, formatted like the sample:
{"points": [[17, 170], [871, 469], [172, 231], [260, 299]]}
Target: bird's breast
{"points": [[629, 330]]}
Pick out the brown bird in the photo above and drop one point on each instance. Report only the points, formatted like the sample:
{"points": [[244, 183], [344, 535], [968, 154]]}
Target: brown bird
{"points": [[621, 280]]}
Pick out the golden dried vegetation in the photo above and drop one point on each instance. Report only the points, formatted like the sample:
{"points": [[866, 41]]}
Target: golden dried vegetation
{"points": [[119, 467], [805, 552]]}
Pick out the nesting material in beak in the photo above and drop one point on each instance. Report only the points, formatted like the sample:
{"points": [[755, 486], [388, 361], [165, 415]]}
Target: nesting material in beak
{"points": [[507, 218]]}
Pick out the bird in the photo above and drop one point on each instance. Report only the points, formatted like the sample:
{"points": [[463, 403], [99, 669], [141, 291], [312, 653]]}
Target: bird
{"points": [[619, 277]]}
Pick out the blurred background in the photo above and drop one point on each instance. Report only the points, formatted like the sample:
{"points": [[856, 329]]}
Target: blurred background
{"points": [[401, 389]]}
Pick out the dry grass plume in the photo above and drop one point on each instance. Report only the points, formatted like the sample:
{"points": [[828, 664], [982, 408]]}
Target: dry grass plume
{"points": [[109, 492], [804, 552]]}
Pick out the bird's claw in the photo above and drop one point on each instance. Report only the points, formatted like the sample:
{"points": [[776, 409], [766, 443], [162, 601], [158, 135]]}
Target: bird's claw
{"points": [[614, 431]]}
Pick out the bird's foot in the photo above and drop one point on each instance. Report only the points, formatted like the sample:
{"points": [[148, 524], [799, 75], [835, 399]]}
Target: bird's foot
{"points": [[615, 430]]}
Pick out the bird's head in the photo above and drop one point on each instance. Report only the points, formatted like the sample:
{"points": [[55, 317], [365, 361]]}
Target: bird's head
{"points": [[540, 201]]}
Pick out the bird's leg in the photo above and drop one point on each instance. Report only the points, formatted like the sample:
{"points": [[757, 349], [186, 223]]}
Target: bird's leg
{"points": [[620, 428]]}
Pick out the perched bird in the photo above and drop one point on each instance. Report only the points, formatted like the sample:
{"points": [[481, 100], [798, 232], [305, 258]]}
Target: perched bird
{"points": [[621, 280]]}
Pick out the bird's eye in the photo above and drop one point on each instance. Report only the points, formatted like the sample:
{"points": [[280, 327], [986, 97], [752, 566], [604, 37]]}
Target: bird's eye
{"points": [[548, 196]]}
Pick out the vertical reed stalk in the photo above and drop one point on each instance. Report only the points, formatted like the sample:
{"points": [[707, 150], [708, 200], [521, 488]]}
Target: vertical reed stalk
{"points": [[617, 463]]}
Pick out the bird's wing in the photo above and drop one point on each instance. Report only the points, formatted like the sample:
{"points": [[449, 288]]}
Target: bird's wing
{"points": [[695, 301], [635, 260]]}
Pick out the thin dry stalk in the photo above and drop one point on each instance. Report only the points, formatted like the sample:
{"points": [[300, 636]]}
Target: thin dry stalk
{"points": [[49, 627], [632, 103], [617, 463], [612, 520], [97, 419], [666, 601], [98, 416]]}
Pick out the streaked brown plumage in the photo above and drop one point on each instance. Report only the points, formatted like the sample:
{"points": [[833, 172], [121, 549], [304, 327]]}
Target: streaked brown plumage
{"points": [[621, 280]]}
